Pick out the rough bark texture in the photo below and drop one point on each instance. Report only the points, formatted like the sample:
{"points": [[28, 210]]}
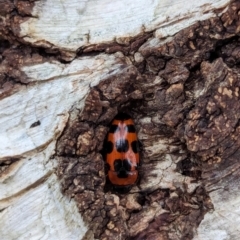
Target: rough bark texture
{"points": [[183, 94], [188, 89]]}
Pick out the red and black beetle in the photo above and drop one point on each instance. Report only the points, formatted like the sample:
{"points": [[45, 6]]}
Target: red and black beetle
{"points": [[122, 152]]}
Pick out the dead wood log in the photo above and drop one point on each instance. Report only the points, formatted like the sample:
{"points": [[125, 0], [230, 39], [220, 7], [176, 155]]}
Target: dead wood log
{"points": [[68, 68]]}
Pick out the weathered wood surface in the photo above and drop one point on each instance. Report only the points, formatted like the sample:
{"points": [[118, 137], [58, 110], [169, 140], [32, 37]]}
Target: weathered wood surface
{"points": [[66, 69]]}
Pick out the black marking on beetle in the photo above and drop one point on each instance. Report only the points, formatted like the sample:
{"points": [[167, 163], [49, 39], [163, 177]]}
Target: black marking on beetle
{"points": [[109, 146], [122, 167], [35, 124], [122, 145], [107, 167], [117, 165], [131, 128], [122, 174], [114, 128], [135, 146], [122, 116], [137, 166]]}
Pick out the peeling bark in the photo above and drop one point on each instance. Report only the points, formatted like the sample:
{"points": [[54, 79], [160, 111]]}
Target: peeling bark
{"points": [[188, 90], [182, 91]]}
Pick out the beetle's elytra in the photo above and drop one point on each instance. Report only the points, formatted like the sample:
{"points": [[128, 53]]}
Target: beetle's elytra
{"points": [[122, 152]]}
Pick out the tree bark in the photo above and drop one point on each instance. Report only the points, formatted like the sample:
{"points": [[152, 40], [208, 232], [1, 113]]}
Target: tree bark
{"points": [[68, 67]]}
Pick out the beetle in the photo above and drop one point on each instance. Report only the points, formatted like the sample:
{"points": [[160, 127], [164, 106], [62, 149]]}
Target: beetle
{"points": [[122, 153]]}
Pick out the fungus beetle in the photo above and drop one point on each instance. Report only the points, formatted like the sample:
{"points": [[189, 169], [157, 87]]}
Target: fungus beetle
{"points": [[122, 153]]}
